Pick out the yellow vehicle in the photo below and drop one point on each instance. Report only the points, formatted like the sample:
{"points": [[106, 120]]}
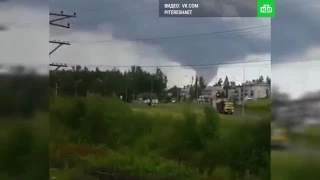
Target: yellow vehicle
{"points": [[224, 106], [279, 137]]}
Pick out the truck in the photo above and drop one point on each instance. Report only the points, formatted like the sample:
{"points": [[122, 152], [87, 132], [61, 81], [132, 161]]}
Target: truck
{"points": [[224, 106], [279, 137]]}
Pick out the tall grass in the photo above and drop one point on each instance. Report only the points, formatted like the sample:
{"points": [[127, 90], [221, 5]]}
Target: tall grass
{"points": [[24, 148], [151, 145], [261, 107], [294, 166]]}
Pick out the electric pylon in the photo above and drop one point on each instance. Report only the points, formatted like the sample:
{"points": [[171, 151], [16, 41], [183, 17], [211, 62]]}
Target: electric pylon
{"points": [[54, 22]]}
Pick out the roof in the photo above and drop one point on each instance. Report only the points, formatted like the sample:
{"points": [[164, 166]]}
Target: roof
{"points": [[256, 84], [212, 88]]}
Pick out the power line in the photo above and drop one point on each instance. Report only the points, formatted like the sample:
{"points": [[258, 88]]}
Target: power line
{"points": [[223, 36], [103, 4], [199, 66], [194, 66], [238, 30], [193, 40], [170, 66]]}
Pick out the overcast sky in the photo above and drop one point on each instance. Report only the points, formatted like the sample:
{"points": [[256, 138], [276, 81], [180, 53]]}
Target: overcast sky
{"points": [[295, 37], [106, 32]]}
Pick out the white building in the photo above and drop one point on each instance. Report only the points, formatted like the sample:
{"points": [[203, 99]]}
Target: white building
{"points": [[297, 111], [252, 90]]}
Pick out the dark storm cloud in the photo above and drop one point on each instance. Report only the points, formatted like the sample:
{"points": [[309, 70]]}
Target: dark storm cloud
{"points": [[3, 3], [139, 19], [3, 28], [295, 29], [34, 3]]}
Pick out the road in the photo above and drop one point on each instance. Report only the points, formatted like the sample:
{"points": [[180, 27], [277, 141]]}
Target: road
{"points": [[238, 113], [312, 152]]}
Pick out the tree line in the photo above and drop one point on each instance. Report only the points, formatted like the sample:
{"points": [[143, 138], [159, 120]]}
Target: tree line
{"points": [[22, 92], [80, 81], [130, 85]]}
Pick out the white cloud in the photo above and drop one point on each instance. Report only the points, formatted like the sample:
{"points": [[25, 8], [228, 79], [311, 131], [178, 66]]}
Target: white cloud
{"points": [[26, 41], [246, 71], [117, 53]]}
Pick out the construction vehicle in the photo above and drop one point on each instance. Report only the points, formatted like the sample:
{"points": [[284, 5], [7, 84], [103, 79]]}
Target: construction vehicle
{"points": [[224, 106], [279, 137]]}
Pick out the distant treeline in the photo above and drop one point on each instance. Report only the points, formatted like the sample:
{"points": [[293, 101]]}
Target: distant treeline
{"points": [[22, 94]]}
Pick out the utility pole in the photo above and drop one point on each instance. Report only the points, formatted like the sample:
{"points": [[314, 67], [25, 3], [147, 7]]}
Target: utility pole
{"points": [[126, 94], [197, 91], [54, 22], [56, 18], [157, 77], [177, 94], [197, 87], [127, 88], [76, 87], [58, 65], [59, 44], [243, 96], [56, 90], [151, 90]]}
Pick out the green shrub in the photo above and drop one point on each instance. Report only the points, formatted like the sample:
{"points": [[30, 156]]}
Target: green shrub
{"points": [[91, 120], [210, 124]]}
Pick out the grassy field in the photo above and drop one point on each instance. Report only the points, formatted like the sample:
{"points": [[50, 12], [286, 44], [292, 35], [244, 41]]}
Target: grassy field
{"points": [[312, 135], [260, 107], [173, 141], [109, 138], [287, 165], [169, 108], [284, 166]]}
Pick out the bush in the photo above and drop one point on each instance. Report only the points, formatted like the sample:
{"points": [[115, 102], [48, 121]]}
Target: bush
{"points": [[91, 120]]}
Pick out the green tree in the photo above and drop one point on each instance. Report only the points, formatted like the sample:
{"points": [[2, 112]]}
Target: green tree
{"points": [[219, 83], [202, 84], [174, 92], [261, 79], [268, 80], [81, 81], [226, 86], [196, 88]]}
